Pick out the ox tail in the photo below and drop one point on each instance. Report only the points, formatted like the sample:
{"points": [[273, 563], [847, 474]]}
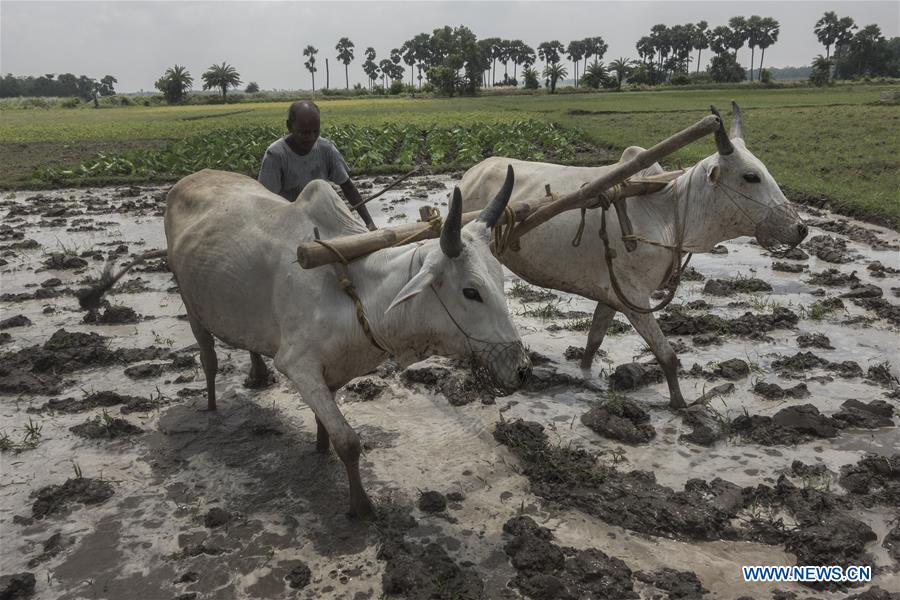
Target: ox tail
{"points": [[89, 297]]}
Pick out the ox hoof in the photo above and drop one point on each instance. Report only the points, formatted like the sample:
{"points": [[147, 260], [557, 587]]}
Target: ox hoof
{"points": [[259, 382], [362, 509], [677, 403]]}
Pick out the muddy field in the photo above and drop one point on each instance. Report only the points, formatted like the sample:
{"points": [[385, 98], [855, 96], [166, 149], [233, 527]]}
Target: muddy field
{"points": [[117, 484]]}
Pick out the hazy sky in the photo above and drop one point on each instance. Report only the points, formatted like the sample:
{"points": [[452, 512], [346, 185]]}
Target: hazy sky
{"points": [[137, 41]]}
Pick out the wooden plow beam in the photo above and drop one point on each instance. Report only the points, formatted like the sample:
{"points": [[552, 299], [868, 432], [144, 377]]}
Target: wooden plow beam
{"points": [[528, 213]]}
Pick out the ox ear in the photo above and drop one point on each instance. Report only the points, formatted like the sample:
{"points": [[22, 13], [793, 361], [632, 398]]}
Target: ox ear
{"points": [[712, 173], [424, 278]]}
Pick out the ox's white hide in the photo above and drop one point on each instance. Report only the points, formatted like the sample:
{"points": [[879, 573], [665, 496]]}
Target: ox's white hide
{"points": [[232, 246], [547, 258]]}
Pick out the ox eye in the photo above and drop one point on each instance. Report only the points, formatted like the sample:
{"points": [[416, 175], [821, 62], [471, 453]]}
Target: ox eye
{"points": [[751, 178], [472, 294]]}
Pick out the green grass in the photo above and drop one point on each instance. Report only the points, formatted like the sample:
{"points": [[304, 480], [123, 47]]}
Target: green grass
{"points": [[836, 143]]}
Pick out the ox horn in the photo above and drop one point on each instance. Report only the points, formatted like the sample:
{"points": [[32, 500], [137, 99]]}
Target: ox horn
{"points": [[737, 123], [491, 213], [451, 233], [722, 142]]}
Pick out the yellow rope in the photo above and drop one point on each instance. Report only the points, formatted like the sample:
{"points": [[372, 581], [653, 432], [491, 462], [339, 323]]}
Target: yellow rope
{"points": [[610, 195], [347, 285], [503, 238], [604, 201]]}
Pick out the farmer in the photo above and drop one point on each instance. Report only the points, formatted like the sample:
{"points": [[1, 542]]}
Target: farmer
{"points": [[296, 159]]}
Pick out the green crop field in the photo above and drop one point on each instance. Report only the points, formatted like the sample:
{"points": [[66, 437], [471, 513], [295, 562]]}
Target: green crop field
{"points": [[840, 144]]}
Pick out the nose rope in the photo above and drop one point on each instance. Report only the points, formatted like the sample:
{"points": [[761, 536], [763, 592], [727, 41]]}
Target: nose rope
{"points": [[728, 194], [786, 210], [492, 347]]}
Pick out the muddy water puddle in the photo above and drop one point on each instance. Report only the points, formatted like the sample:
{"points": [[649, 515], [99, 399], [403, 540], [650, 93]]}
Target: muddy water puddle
{"points": [[237, 504]]}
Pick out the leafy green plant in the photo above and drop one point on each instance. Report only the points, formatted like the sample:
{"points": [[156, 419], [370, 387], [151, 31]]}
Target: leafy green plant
{"points": [[240, 149]]}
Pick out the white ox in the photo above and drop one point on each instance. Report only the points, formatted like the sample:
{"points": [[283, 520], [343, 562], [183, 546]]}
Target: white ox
{"points": [[724, 196], [232, 247]]}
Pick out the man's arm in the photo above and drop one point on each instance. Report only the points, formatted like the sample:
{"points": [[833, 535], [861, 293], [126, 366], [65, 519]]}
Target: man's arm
{"points": [[352, 195], [338, 172]]}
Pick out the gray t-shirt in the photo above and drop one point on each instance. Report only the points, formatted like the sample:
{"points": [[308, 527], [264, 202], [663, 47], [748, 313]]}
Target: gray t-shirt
{"points": [[286, 173]]}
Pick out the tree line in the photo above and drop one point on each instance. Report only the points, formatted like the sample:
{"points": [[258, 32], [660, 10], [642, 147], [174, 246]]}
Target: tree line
{"points": [[63, 85], [864, 53], [451, 60]]}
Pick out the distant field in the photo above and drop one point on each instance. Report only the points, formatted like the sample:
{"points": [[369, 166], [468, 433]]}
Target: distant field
{"points": [[838, 143]]}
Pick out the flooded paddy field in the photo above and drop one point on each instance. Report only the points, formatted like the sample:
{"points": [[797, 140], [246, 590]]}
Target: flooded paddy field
{"points": [[116, 483]]}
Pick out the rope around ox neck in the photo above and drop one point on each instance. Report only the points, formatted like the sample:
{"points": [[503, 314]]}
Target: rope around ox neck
{"points": [[348, 287], [675, 268]]}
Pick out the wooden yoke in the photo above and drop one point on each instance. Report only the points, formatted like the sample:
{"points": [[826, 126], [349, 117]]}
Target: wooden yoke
{"points": [[619, 173], [313, 254], [528, 213]]}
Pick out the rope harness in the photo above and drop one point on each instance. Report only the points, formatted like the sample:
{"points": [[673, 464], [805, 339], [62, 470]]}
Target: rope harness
{"points": [[430, 215], [348, 287], [676, 267]]}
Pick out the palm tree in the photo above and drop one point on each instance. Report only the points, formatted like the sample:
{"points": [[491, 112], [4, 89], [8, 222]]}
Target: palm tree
{"points": [[344, 49], [681, 40], [826, 29], [832, 30], [549, 52], [621, 67], [310, 64], [659, 36], [718, 39], [408, 50], [595, 75], [505, 53], [701, 39], [396, 70], [371, 67], [174, 83], [490, 48], [221, 76], [554, 72], [594, 47], [768, 35], [753, 25], [821, 69], [387, 68], [523, 55], [575, 52], [422, 51], [739, 34]]}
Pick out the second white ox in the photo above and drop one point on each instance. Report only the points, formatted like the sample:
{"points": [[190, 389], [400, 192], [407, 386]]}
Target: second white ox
{"points": [[724, 196], [232, 248]]}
